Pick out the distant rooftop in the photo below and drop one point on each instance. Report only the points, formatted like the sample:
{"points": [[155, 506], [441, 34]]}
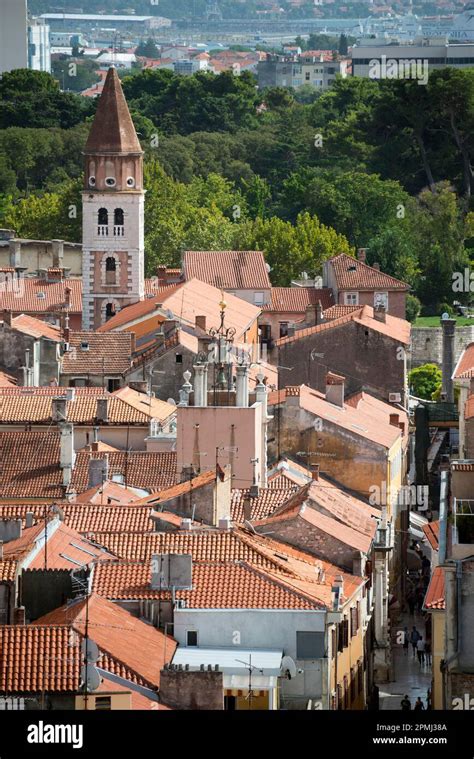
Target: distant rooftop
{"points": [[93, 17]]}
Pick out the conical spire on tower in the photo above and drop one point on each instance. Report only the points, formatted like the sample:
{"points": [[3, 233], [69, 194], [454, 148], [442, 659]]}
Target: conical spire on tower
{"points": [[113, 131]]}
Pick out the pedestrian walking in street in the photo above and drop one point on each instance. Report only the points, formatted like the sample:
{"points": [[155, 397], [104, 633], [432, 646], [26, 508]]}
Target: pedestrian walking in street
{"points": [[428, 652], [406, 704], [414, 638], [419, 705], [420, 650], [406, 640]]}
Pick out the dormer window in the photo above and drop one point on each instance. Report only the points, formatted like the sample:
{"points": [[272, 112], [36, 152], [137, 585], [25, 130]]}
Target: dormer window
{"points": [[110, 181], [84, 346]]}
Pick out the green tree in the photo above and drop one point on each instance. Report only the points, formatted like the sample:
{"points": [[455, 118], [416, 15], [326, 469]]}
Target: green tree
{"points": [[147, 49], [48, 216], [424, 380]]}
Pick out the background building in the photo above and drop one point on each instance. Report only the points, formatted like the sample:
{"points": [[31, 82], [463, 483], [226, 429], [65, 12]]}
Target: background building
{"points": [[13, 45]]}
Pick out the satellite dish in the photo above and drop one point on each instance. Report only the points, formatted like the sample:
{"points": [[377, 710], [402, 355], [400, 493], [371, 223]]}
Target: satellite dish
{"points": [[90, 649], [93, 677], [171, 401], [288, 667]]}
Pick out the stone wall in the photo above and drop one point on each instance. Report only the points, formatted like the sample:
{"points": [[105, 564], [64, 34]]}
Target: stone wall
{"points": [[427, 344], [183, 689]]}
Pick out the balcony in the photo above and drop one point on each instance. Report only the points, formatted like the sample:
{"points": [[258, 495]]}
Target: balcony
{"points": [[103, 230], [119, 230]]}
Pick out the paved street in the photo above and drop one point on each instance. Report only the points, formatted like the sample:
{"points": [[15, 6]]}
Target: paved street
{"points": [[410, 678]]}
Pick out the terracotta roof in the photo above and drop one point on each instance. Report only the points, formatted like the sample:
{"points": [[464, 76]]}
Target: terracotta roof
{"points": [[52, 391], [431, 531], [393, 327], [139, 646], [150, 406], [203, 544], [370, 421], [19, 547], [112, 130], [435, 599], [117, 493], [110, 353], [267, 501], [6, 380], [201, 480], [150, 470], [99, 446], [216, 585], [66, 549], [30, 467], [186, 301], [296, 299], [8, 570], [297, 509], [38, 657], [35, 295], [336, 311], [227, 269], [20, 407], [465, 366], [87, 518], [36, 327], [352, 274]]}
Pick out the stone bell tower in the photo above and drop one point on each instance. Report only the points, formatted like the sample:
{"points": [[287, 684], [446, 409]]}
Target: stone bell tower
{"points": [[113, 210]]}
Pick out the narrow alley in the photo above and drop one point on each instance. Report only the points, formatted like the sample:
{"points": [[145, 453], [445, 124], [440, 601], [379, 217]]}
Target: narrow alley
{"points": [[410, 677]]}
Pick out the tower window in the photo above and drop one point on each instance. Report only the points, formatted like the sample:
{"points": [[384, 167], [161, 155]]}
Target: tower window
{"points": [[109, 311], [110, 271], [118, 222], [110, 181], [91, 181], [103, 222], [130, 182]]}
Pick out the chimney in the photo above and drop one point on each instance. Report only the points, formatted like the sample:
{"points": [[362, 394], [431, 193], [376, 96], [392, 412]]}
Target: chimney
{"points": [[29, 519], [102, 413], [15, 252], [358, 563], [311, 315], [141, 386], [362, 255], [133, 343], [242, 386], [10, 529], [58, 253], [98, 471], [380, 314], [7, 317], [186, 523], [395, 420], [337, 591], [161, 274], [376, 266], [448, 327], [201, 322], [315, 472], [19, 616], [335, 389], [225, 523], [67, 296], [319, 313], [59, 410], [247, 508], [95, 434], [67, 454]]}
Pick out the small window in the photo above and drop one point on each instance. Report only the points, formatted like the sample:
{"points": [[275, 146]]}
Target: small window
{"points": [[191, 638], [351, 299], [283, 329], [381, 299], [110, 182], [258, 299], [179, 358], [113, 384], [130, 182], [91, 181], [310, 645], [103, 703], [307, 76], [110, 271], [118, 217], [84, 345]]}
